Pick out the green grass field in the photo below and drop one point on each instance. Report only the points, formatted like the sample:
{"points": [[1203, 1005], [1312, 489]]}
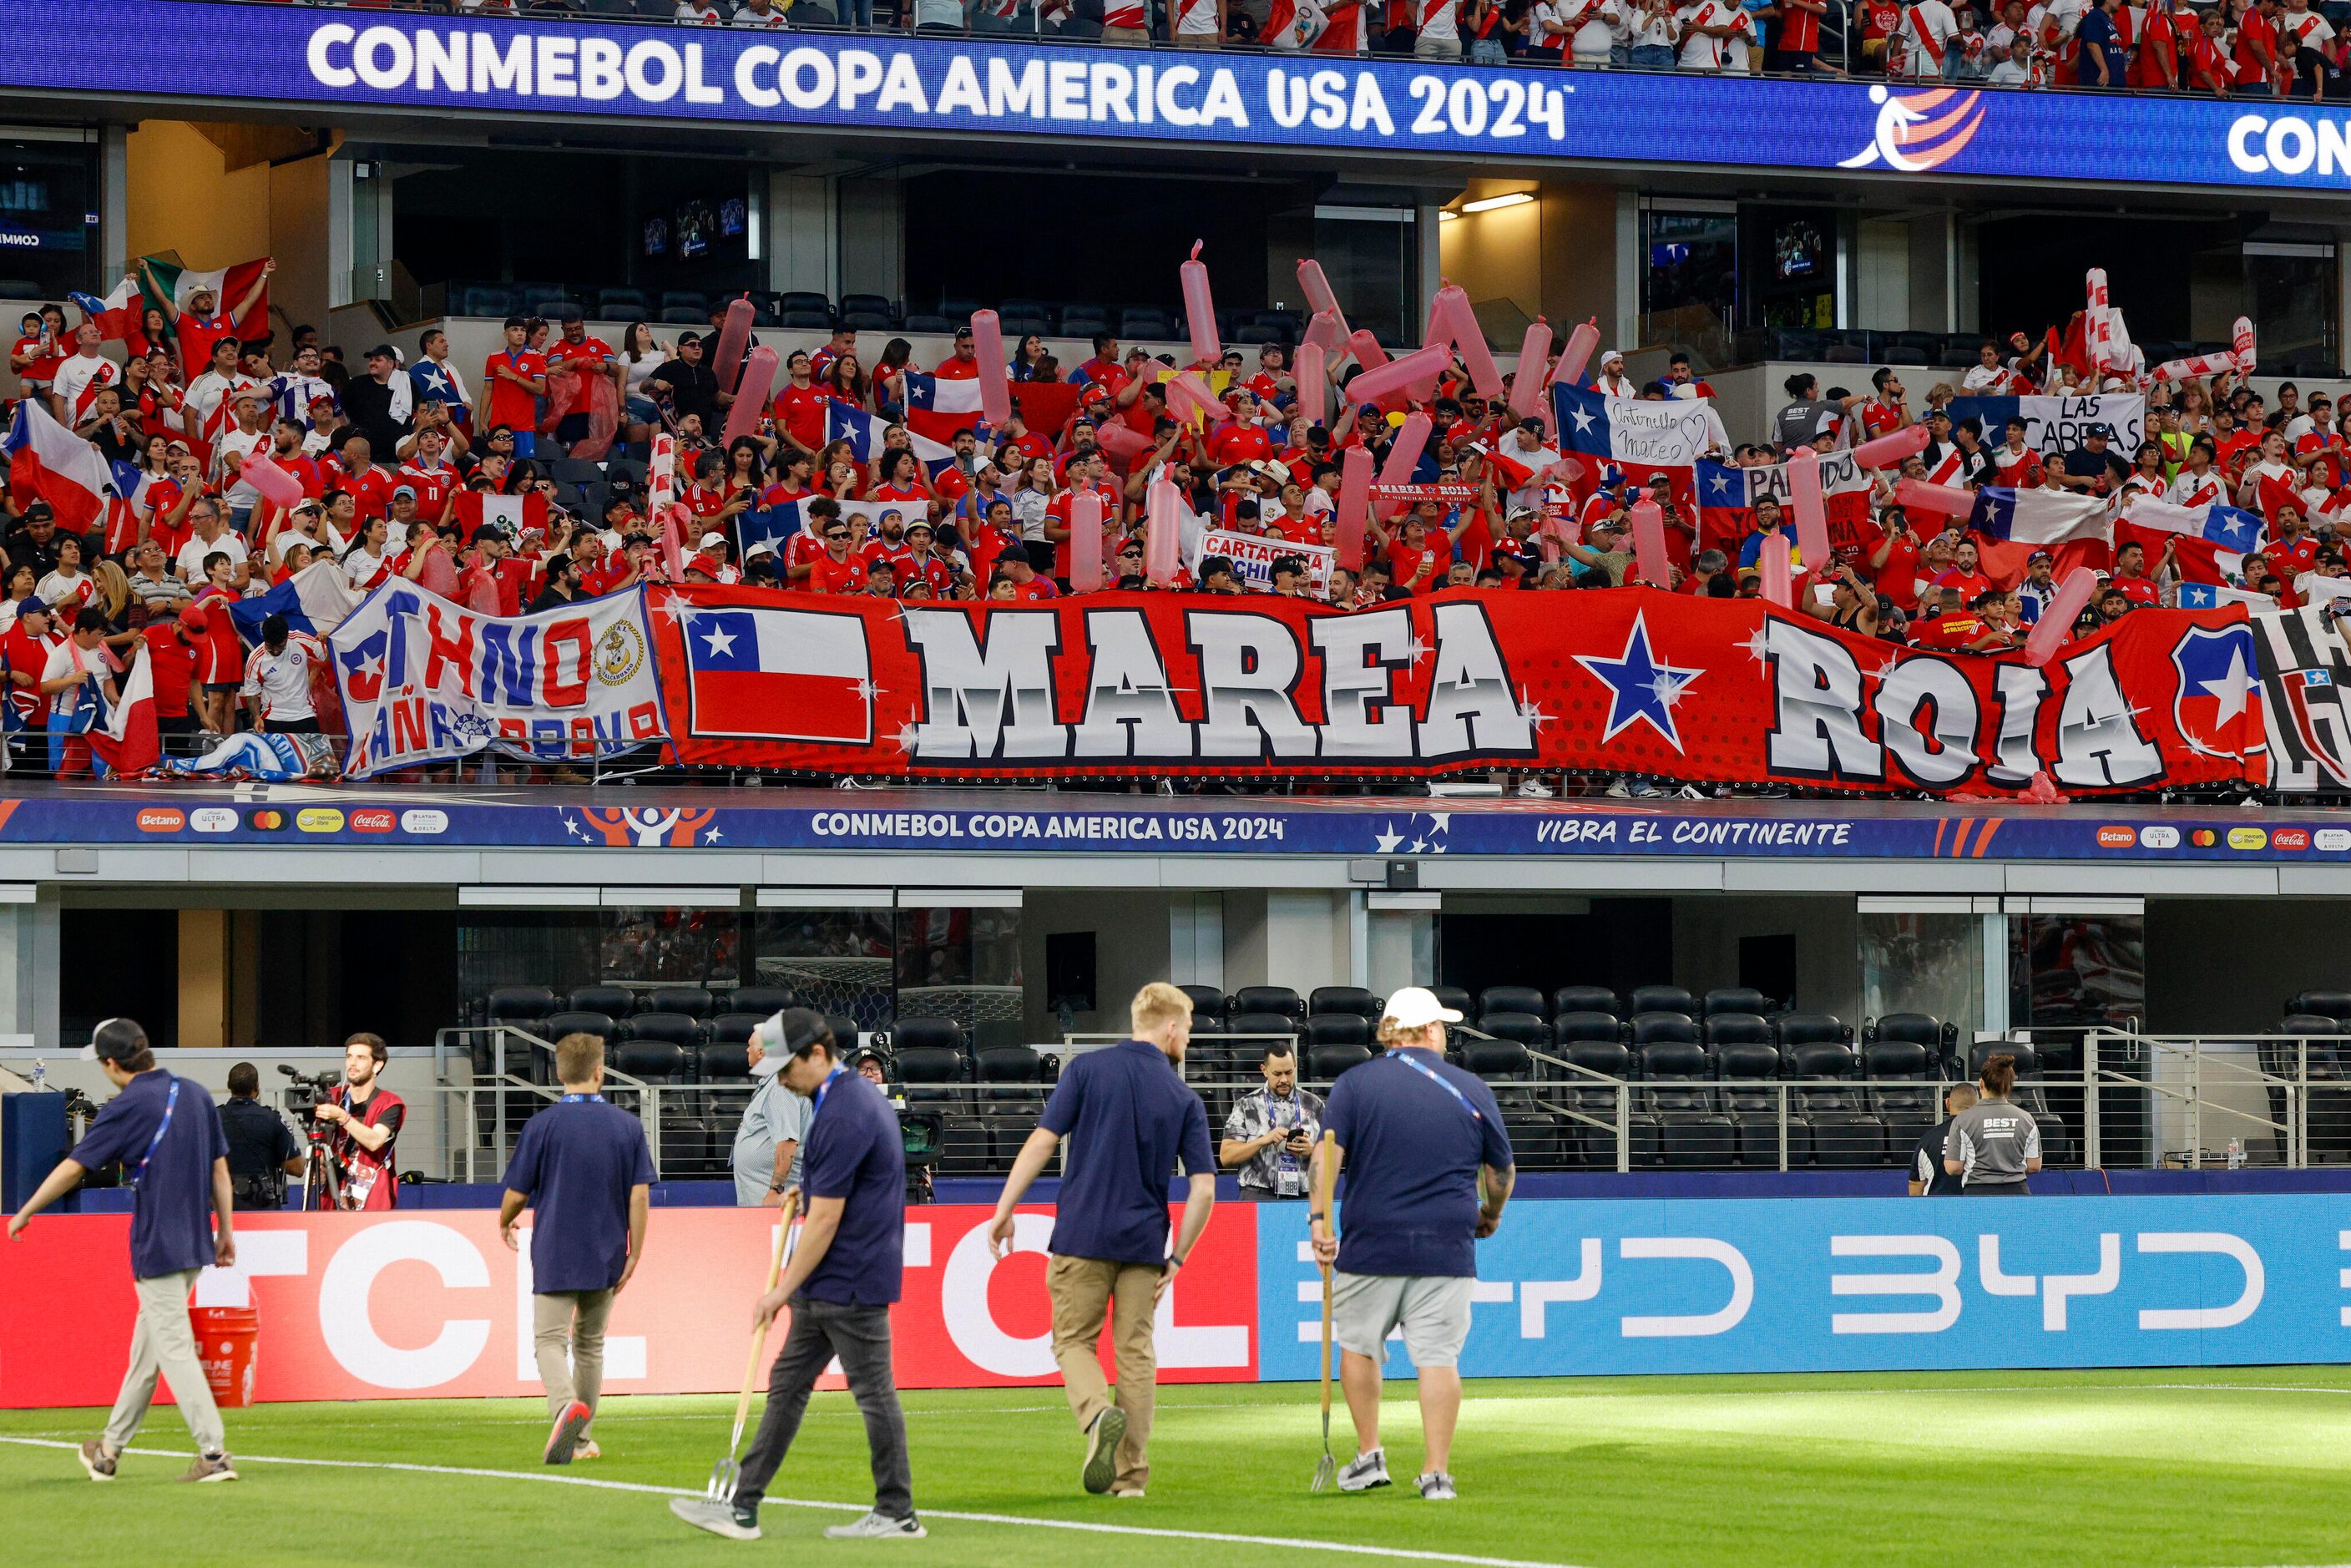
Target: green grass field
{"points": [[2184, 1467]]}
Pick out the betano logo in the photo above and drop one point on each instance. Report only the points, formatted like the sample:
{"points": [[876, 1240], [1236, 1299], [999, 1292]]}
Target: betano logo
{"points": [[1911, 138]]}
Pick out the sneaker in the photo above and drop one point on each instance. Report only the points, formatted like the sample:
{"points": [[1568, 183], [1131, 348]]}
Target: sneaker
{"points": [[210, 1468], [96, 1460], [563, 1440], [1102, 1450], [1436, 1487], [586, 1450], [1619, 790], [878, 1527], [1126, 1491], [727, 1519], [1365, 1471], [1535, 789]]}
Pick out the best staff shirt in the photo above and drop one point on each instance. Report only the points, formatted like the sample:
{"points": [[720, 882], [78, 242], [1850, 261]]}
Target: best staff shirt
{"points": [[171, 1211], [1413, 1148], [1128, 1120], [576, 1162], [1993, 1140], [855, 1152]]}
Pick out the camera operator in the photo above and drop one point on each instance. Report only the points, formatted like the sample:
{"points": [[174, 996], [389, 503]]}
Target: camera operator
{"points": [[262, 1152], [366, 1118]]}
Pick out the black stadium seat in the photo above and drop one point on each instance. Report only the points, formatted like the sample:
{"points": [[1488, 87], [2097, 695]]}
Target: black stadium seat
{"points": [[1593, 1027], [1355, 999], [1738, 1000], [1691, 1132], [1902, 1093], [1260, 1023], [765, 1000], [844, 1031], [1793, 1029], [927, 1034], [1267, 999], [1453, 997], [1746, 1076], [1609, 1058], [1835, 1112], [1660, 999], [1337, 1028], [520, 1004], [1326, 1063], [539, 1066], [732, 1030], [2335, 1005], [2285, 1054], [1586, 999], [666, 1029], [1510, 1000], [615, 1000], [1533, 1132], [1208, 1002], [1524, 1031], [1011, 1097], [690, 1000]]}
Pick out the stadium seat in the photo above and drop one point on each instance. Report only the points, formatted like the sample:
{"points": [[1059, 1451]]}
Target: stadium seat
{"points": [[690, 1000], [520, 1004], [1337, 1028], [1835, 1113], [486, 300], [1011, 1098], [1793, 1029], [540, 1067], [1454, 997], [1525, 1031], [1609, 1058], [1257, 1026], [1736, 999], [615, 1000], [1940, 1039], [765, 1000], [2334, 1005], [1691, 1132], [2283, 1055], [927, 1034], [1084, 320], [1533, 1132], [1268, 999], [804, 299], [666, 1029], [1736, 1028], [1660, 999], [1326, 1063], [1510, 1000], [869, 305], [1355, 999], [622, 304], [1145, 323], [802, 320], [542, 298], [731, 1029], [872, 321], [1902, 1094], [1208, 1002], [1255, 334], [1586, 999], [1745, 1072], [1586, 1028]]}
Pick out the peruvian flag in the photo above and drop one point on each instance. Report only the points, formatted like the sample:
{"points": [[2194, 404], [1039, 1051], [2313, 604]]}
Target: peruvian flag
{"points": [[117, 315], [127, 743], [2212, 541], [475, 507], [47, 460]]}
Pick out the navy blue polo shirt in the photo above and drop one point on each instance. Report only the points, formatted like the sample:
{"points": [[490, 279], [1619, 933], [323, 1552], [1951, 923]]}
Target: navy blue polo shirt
{"points": [[575, 1163], [1412, 1154], [1128, 1119], [172, 1213], [855, 1152]]}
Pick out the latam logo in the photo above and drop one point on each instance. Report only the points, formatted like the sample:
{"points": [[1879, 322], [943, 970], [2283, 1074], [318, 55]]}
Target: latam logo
{"points": [[1912, 137]]}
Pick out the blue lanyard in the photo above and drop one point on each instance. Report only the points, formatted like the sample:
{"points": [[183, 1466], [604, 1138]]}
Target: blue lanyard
{"points": [[1426, 1070], [582, 1100], [171, 1103], [824, 1089]]}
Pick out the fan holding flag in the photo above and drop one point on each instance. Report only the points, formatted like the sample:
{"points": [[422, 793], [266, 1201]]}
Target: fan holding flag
{"points": [[192, 301]]}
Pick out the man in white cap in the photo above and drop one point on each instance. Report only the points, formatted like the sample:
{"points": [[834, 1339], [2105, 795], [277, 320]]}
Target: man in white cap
{"points": [[1611, 381], [766, 1157], [1420, 1139]]}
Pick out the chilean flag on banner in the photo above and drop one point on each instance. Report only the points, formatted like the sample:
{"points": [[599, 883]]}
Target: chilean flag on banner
{"points": [[2009, 525], [938, 406], [2212, 541], [47, 460], [117, 315], [778, 675], [1641, 439]]}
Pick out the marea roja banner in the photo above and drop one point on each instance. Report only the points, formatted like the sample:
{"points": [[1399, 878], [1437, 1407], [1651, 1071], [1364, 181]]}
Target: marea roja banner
{"points": [[1630, 681], [426, 679]]}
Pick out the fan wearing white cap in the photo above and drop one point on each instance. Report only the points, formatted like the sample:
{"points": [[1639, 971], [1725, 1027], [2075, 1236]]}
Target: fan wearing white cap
{"points": [[766, 1155], [1611, 380], [1420, 1141]]}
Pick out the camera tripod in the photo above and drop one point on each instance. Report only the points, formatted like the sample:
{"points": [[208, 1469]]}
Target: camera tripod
{"points": [[322, 1182]]}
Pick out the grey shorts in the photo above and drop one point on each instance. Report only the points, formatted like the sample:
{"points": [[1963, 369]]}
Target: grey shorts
{"points": [[1433, 1311]]}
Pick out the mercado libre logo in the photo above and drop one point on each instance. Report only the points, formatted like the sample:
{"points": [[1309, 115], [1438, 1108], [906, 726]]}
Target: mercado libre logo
{"points": [[1915, 133]]}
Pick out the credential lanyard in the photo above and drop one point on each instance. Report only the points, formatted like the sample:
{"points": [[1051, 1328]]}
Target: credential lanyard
{"points": [[171, 1103], [582, 1100], [1426, 1070], [823, 1090]]}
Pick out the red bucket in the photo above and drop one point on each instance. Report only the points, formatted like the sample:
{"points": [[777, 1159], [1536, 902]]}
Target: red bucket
{"points": [[226, 1338]]}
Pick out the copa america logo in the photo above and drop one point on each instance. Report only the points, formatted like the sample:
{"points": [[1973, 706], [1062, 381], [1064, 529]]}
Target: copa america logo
{"points": [[1911, 137]]}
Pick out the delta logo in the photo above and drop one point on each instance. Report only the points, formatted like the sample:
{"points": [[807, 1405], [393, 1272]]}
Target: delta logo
{"points": [[162, 818], [2117, 837], [2247, 838], [2290, 839], [265, 819], [373, 820], [1916, 133], [2333, 841]]}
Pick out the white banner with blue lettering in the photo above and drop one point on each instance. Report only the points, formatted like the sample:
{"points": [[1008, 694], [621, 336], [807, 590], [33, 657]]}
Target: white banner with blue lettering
{"points": [[1863, 1284]]}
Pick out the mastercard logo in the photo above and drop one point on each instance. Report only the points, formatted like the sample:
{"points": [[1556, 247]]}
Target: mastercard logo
{"points": [[2117, 837], [162, 818], [2203, 837], [2290, 839], [268, 819], [2247, 838], [374, 820]]}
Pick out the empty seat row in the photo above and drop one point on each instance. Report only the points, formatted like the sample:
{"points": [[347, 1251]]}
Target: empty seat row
{"points": [[522, 1004], [1208, 1002], [669, 1045]]}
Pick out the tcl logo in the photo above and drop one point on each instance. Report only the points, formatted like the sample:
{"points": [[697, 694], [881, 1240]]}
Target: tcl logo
{"points": [[374, 820], [162, 818], [2117, 837], [2290, 839]]}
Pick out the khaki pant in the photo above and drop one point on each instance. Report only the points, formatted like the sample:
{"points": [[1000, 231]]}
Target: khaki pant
{"points": [[1126, 35], [162, 1342], [572, 1320], [1084, 1291]]}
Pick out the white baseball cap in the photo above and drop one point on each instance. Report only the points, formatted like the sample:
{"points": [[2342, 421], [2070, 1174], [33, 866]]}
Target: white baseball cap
{"points": [[1417, 1007]]}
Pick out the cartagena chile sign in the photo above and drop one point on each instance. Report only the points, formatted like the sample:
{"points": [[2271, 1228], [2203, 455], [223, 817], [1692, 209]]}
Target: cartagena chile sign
{"points": [[356, 58]]}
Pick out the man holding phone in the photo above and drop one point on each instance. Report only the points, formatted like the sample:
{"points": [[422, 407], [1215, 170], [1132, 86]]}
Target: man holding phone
{"points": [[1272, 1131]]}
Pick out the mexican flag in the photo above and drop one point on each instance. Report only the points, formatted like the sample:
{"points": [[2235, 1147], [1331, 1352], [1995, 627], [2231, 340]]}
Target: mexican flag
{"points": [[164, 279]]}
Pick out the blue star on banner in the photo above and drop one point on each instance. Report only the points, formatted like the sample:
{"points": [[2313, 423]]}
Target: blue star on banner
{"points": [[1643, 689]]}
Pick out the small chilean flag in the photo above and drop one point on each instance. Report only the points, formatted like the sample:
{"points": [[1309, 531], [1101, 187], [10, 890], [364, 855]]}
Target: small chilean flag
{"points": [[117, 315], [778, 674]]}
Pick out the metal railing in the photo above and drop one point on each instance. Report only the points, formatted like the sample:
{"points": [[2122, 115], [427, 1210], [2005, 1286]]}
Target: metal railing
{"points": [[2233, 1087]]}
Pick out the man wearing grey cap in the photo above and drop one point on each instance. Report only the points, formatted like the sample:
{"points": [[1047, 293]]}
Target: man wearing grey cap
{"points": [[163, 1131], [767, 1158]]}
